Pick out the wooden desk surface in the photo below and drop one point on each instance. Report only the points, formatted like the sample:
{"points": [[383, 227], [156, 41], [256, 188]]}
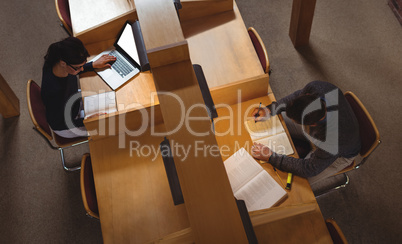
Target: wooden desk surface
{"points": [[135, 204], [136, 93], [88, 14], [221, 45]]}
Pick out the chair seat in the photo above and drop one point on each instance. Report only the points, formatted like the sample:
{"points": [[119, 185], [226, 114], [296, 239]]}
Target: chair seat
{"points": [[64, 142]]}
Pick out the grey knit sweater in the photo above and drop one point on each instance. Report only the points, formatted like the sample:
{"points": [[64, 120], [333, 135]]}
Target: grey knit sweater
{"points": [[336, 136]]}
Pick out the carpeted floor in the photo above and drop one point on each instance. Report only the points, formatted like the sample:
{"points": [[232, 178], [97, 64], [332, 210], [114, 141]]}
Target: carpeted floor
{"points": [[355, 45]]}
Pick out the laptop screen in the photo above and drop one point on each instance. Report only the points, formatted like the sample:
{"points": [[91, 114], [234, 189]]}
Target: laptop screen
{"points": [[127, 43]]}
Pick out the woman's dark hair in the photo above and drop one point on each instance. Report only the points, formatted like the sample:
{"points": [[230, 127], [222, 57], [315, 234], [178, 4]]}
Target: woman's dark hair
{"points": [[70, 50], [296, 108]]}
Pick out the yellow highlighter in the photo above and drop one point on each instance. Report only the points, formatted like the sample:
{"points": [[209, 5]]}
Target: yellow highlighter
{"points": [[289, 181]]}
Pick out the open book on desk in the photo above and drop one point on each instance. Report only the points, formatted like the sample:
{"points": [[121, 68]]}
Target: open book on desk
{"points": [[102, 103], [270, 133], [251, 183]]}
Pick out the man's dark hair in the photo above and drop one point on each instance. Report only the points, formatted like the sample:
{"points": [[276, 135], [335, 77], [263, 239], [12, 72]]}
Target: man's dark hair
{"points": [[296, 108]]}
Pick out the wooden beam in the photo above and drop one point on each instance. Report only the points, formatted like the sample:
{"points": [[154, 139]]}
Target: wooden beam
{"points": [[208, 197], [301, 21]]}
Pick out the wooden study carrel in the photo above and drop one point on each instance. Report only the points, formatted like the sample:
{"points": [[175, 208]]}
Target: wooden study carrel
{"points": [[134, 198]]}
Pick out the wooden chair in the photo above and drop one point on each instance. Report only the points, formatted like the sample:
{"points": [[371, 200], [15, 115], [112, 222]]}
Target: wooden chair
{"points": [[335, 232], [37, 111], [369, 137], [88, 192], [63, 11], [260, 49]]}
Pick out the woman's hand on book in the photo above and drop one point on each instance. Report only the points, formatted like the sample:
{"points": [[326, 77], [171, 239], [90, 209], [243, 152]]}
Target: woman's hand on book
{"points": [[261, 152]]}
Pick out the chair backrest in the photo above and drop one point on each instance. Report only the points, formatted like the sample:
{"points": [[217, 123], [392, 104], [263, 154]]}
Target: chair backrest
{"points": [[335, 232], [88, 192], [259, 48], [369, 135], [37, 109], [63, 11]]}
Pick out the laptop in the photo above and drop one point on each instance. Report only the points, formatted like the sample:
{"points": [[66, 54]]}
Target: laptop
{"points": [[127, 61]]}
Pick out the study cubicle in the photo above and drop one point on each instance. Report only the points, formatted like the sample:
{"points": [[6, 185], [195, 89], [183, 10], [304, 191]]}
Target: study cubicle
{"points": [[133, 193]]}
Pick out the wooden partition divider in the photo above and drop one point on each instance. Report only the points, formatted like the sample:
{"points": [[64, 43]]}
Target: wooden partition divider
{"points": [[194, 8], [211, 207]]}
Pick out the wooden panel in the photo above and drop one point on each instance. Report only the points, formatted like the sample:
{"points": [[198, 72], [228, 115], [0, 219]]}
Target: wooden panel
{"points": [[107, 30], [301, 21], [135, 203], [88, 15], [184, 236], [221, 45], [161, 30], [306, 228], [198, 8], [9, 102], [212, 210], [266, 216], [240, 91]]}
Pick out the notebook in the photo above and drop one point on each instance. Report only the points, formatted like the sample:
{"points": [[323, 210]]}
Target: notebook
{"points": [[127, 63], [270, 133]]}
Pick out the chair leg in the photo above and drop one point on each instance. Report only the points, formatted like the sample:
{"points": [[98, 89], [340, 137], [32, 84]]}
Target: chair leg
{"points": [[64, 164], [346, 177], [90, 216], [343, 185]]}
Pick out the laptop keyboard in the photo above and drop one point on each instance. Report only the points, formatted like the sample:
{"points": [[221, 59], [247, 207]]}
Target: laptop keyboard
{"points": [[120, 65]]}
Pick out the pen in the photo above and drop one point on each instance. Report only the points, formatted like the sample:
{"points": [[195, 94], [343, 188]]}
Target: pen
{"points": [[289, 181], [257, 114], [279, 177]]}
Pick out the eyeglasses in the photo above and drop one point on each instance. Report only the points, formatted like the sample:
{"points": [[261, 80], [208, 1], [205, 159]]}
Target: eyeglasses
{"points": [[74, 68]]}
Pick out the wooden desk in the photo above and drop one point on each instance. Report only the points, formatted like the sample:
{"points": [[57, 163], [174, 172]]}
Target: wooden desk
{"points": [[131, 189], [298, 218], [135, 205], [99, 20], [229, 66], [221, 45], [134, 199]]}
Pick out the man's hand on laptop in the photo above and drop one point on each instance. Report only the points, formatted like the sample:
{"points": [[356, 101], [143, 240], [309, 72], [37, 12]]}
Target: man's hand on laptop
{"points": [[104, 61]]}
